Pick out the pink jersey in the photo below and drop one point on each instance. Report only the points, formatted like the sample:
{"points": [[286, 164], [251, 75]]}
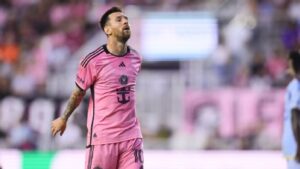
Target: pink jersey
{"points": [[112, 79]]}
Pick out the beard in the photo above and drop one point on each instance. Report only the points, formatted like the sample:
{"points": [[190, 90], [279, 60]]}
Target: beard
{"points": [[123, 36]]}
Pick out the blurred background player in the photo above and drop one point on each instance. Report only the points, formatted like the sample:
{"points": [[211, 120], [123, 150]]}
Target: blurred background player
{"points": [[291, 128], [114, 138]]}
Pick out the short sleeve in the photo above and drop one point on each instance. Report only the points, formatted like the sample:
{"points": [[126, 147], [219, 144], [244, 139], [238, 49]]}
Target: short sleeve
{"points": [[296, 99], [297, 102], [85, 76], [140, 59]]}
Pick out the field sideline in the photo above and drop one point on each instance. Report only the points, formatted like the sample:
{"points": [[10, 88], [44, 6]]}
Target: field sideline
{"points": [[154, 159]]}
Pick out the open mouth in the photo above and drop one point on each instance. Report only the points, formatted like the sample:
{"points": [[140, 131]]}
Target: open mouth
{"points": [[126, 28]]}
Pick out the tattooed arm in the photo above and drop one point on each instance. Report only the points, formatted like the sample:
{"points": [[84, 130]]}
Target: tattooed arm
{"points": [[59, 124], [74, 101]]}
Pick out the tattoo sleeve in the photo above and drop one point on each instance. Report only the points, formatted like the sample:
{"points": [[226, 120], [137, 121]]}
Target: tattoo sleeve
{"points": [[73, 102]]}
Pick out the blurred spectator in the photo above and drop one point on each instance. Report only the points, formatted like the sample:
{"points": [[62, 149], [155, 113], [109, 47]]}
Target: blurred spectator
{"points": [[3, 16], [9, 48], [28, 35], [5, 75], [238, 33], [290, 35], [57, 51], [294, 10], [224, 64], [74, 35], [259, 78], [276, 66], [22, 83]]}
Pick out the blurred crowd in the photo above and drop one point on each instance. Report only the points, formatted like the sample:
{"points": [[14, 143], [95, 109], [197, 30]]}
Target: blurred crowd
{"points": [[254, 44], [38, 38]]}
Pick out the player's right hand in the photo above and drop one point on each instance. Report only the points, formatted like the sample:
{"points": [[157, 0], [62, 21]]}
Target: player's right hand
{"points": [[58, 125]]}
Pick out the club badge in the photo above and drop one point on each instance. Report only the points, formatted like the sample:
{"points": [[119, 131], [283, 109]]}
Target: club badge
{"points": [[123, 80]]}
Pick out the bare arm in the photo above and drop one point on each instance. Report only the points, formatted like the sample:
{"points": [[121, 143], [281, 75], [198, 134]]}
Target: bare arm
{"points": [[74, 101], [59, 124]]}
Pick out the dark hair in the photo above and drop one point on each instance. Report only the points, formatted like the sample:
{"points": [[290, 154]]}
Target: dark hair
{"points": [[105, 16], [296, 130], [295, 57]]}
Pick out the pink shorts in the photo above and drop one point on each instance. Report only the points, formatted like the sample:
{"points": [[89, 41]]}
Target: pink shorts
{"points": [[123, 155]]}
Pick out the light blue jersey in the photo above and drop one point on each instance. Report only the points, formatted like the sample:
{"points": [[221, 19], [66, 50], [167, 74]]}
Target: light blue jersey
{"points": [[292, 100]]}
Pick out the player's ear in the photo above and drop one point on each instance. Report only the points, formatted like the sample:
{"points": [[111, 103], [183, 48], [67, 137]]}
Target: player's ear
{"points": [[107, 30]]}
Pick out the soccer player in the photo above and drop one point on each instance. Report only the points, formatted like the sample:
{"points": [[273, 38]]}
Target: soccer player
{"points": [[291, 123], [114, 139]]}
